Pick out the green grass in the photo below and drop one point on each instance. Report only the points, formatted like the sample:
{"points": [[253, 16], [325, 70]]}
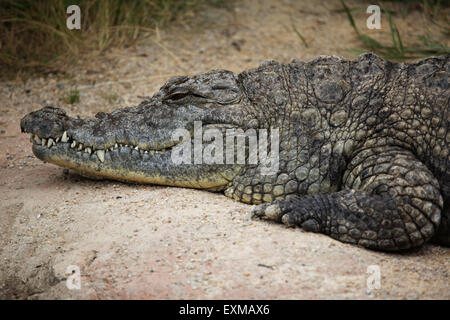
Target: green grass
{"points": [[73, 96], [111, 97], [425, 46], [33, 33], [298, 34]]}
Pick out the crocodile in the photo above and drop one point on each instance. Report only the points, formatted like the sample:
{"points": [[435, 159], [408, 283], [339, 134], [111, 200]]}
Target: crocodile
{"points": [[363, 145]]}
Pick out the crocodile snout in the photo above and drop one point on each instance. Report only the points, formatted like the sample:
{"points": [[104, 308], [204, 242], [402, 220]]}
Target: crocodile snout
{"points": [[46, 122]]}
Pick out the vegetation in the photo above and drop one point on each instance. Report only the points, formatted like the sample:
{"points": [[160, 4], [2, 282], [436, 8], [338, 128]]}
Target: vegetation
{"points": [[33, 34], [425, 46], [72, 97], [111, 97]]}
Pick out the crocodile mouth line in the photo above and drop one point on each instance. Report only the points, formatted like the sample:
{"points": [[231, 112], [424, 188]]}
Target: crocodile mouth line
{"points": [[76, 146]]}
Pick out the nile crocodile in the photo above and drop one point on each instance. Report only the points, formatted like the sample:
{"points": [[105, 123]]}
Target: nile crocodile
{"points": [[363, 149]]}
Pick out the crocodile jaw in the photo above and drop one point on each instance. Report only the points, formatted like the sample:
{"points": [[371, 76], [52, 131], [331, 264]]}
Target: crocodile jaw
{"points": [[54, 138], [127, 164]]}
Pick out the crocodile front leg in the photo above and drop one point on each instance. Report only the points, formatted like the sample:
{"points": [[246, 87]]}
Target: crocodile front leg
{"points": [[390, 201]]}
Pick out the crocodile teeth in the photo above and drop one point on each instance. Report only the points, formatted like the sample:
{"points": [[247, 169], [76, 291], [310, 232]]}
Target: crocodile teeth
{"points": [[74, 144], [44, 142], [64, 137], [80, 147], [116, 146], [101, 155], [37, 140], [136, 148], [50, 142], [57, 140], [88, 150]]}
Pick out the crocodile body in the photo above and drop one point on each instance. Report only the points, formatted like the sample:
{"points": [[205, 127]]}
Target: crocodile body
{"points": [[363, 145]]}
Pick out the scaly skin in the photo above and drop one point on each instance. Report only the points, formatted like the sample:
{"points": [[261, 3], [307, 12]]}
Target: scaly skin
{"points": [[364, 145]]}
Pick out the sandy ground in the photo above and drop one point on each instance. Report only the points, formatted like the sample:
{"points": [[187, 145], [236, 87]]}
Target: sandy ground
{"points": [[136, 241]]}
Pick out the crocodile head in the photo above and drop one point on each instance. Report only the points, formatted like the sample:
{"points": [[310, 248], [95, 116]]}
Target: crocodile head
{"points": [[136, 144]]}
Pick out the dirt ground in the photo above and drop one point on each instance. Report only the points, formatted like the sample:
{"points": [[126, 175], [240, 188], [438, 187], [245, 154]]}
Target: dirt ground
{"points": [[153, 242]]}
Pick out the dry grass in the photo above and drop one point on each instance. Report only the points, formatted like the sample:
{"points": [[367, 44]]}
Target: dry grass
{"points": [[425, 45], [34, 35]]}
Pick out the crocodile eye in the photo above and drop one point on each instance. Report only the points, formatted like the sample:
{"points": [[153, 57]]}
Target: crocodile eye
{"points": [[177, 93], [177, 96]]}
